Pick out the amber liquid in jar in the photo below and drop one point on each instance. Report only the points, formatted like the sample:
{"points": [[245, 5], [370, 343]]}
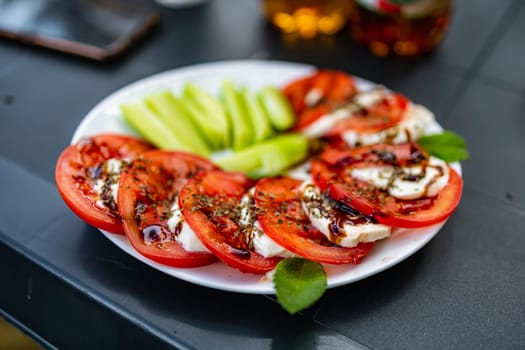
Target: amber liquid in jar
{"points": [[307, 18], [400, 29]]}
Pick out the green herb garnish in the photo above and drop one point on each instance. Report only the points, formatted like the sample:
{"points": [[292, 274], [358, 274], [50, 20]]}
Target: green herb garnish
{"points": [[299, 283], [447, 145]]}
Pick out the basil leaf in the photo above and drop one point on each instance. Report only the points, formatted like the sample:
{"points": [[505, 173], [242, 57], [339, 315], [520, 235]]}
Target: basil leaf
{"points": [[447, 145], [299, 283]]}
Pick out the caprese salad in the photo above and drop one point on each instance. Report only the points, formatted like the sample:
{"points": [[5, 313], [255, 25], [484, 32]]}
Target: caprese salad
{"points": [[344, 173]]}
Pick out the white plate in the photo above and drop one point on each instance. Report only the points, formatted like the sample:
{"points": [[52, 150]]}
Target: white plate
{"points": [[106, 117]]}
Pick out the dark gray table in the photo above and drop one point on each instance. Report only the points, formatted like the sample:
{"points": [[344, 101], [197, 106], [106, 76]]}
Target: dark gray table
{"points": [[69, 287]]}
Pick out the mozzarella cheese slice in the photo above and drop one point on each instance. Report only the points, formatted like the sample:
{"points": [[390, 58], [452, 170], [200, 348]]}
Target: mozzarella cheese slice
{"points": [[344, 229], [182, 231], [257, 239], [407, 182], [106, 186]]}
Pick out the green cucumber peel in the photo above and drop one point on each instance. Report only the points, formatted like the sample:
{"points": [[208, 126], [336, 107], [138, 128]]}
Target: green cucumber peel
{"points": [[446, 145], [242, 129], [277, 107], [150, 126], [262, 127], [212, 108], [177, 119], [299, 283]]}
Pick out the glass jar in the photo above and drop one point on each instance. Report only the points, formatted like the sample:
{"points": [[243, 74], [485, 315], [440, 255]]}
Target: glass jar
{"points": [[307, 18], [402, 27]]}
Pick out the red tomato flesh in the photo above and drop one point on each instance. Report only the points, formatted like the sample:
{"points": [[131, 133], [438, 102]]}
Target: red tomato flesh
{"points": [[79, 167], [211, 206], [284, 221], [148, 189]]}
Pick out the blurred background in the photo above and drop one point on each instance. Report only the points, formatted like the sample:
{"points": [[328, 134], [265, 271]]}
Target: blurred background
{"points": [[463, 59]]}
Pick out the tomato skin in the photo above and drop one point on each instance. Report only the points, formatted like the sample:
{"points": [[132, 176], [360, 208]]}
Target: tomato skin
{"points": [[147, 191], [210, 205], [285, 222], [74, 178], [330, 171]]}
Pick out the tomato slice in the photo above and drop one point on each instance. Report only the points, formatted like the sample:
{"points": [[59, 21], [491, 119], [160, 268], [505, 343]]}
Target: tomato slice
{"points": [[325, 91], [148, 189], [331, 164], [211, 206], [385, 114], [284, 221], [331, 172], [80, 166], [330, 88]]}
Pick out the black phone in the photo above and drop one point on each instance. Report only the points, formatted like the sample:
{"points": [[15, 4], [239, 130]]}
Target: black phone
{"points": [[97, 29]]}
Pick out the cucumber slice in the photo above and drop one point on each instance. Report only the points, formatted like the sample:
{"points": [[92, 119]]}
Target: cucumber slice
{"points": [[244, 161], [151, 127], [267, 158], [177, 119], [273, 162], [287, 150], [242, 130], [277, 107], [210, 114], [262, 127]]}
